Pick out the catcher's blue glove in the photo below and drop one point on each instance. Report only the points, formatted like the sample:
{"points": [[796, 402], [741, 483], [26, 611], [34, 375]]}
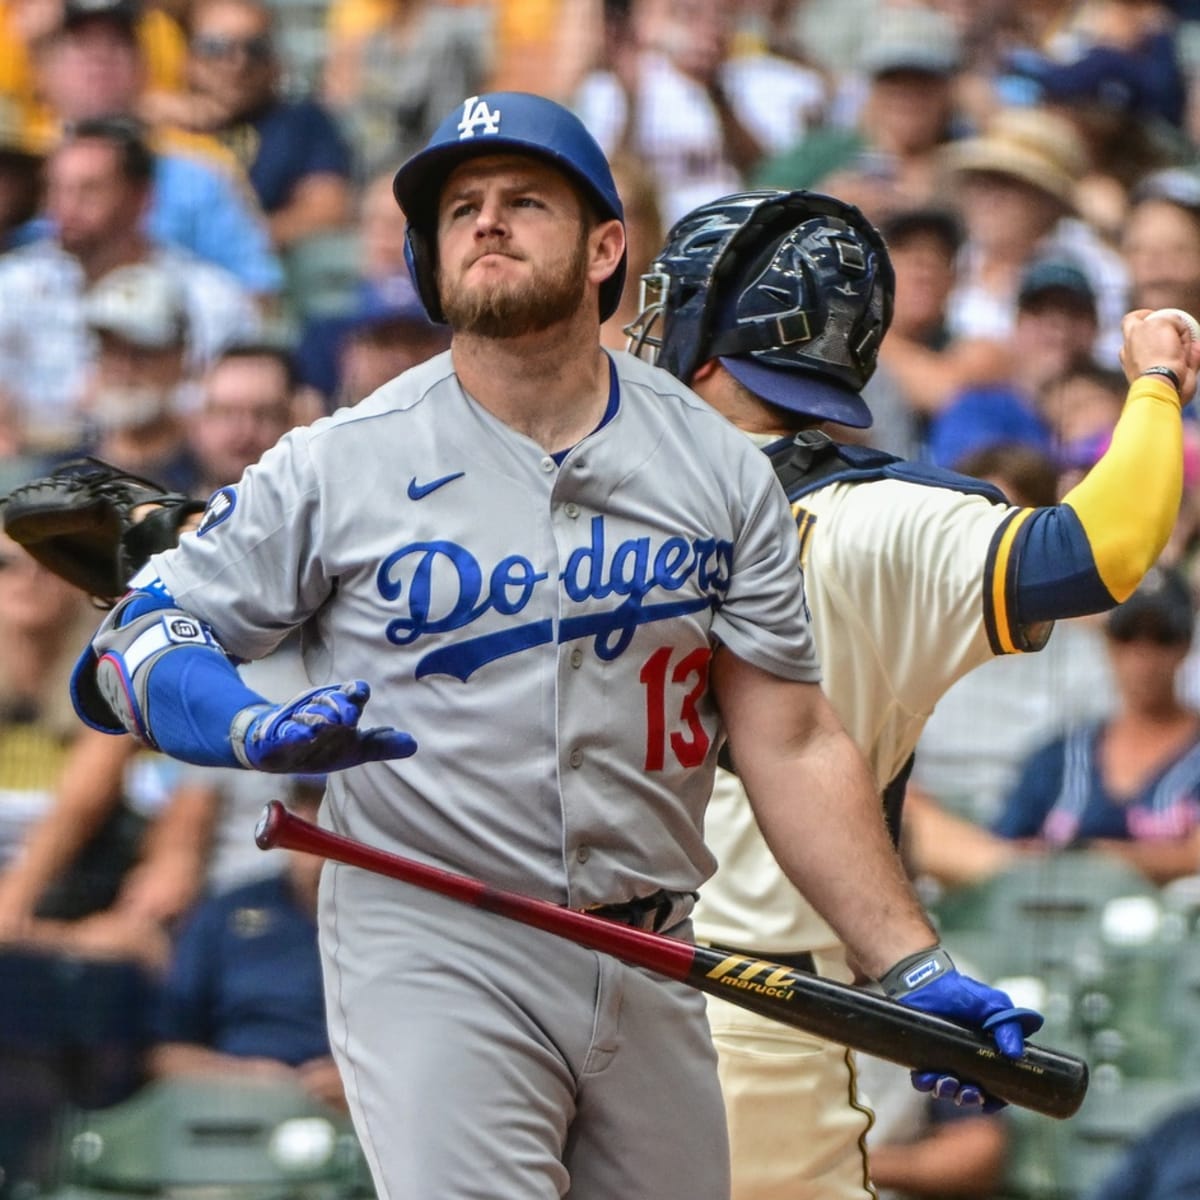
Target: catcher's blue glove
{"points": [[930, 982], [316, 732]]}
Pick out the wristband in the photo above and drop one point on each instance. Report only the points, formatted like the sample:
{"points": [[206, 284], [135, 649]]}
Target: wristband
{"points": [[915, 971], [1166, 373]]}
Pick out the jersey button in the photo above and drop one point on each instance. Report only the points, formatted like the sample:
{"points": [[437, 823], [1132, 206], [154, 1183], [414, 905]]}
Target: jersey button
{"points": [[577, 658], [547, 463], [571, 509], [576, 758], [583, 853]]}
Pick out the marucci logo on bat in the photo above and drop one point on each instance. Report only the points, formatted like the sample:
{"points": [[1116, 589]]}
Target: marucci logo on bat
{"points": [[775, 982]]}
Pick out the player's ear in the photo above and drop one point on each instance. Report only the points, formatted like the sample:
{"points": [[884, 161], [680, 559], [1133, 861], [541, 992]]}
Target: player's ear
{"points": [[705, 371], [607, 245]]}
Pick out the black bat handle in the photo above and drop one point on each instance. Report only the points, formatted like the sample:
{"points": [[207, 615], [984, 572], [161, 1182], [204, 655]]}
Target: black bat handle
{"points": [[1043, 1080]]}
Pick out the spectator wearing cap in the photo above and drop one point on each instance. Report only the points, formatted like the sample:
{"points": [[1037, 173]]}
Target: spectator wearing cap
{"points": [[1161, 241], [136, 398], [1016, 184], [292, 151], [889, 160], [92, 68], [1129, 784], [1055, 328], [99, 182], [921, 366]]}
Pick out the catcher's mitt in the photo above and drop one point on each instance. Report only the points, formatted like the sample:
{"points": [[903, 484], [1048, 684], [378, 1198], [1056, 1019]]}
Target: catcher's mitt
{"points": [[79, 522]]}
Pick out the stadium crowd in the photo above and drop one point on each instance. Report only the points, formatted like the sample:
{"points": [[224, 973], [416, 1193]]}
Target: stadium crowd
{"points": [[199, 249]]}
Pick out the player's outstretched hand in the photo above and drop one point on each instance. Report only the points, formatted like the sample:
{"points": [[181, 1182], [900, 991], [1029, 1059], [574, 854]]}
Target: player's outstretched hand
{"points": [[1153, 338], [316, 732], [930, 982]]}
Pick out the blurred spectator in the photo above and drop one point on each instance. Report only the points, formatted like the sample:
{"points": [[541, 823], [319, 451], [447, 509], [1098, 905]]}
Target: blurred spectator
{"points": [[1016, 186], [1161, 241], [973, 744], [92, 68], [921, 367], [292, 151], [671, 92], [643, 236], [1130, 784], [889, 161], [136, 402], [73, 806], [25, 25], [243, 995], [391, 79], [1055, 327], [1118, 54], [1081, 408], [1161, 1164], [342, 353], [249, 401], [21, 157], [384, 335], [98, 186], [202, 839]]}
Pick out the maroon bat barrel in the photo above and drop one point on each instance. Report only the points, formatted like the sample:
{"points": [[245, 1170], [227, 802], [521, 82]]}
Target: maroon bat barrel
{"points": [[1042, 1080]]}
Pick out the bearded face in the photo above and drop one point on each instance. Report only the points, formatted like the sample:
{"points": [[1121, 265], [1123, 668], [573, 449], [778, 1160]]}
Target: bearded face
{"points": [[499, 306]]}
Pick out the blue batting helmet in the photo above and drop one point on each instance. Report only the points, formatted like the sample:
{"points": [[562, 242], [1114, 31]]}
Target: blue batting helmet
{"points": [[499, 123], [791, 291]]}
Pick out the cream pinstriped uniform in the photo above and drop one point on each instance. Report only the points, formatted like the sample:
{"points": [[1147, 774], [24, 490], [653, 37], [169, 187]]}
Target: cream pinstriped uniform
{"points": [[900, 579]]}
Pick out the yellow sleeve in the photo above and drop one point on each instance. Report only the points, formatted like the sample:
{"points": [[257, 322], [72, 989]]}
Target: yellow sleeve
{"points": [[1136, 486]]}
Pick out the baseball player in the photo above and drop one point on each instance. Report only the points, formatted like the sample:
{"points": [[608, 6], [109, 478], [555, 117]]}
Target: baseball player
{"points": [[570, 580], [772, 306]]}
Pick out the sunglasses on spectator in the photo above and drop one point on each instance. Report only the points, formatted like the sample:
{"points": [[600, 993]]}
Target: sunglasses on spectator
{"points": [[256, 49]]}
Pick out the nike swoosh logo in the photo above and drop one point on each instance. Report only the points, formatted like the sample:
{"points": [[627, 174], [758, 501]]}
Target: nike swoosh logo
{"points": [[418, 491]]}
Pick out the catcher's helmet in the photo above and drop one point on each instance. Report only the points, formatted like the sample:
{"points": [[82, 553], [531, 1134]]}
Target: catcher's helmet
{"points": [[499, 123], [792, 291]]}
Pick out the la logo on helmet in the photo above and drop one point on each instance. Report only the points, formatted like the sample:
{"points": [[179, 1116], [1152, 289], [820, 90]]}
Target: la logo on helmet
{"points": [[477, 117]]}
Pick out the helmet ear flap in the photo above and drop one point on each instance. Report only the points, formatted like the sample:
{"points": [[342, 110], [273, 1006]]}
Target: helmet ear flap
{"points": [[423, 270]]}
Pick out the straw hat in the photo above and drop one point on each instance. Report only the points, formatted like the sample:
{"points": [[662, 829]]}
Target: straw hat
{"points": [[1036, 146]]}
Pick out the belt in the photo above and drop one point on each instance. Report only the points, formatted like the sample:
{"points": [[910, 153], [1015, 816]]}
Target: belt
{"points": [[656, 912], [803, 961]]}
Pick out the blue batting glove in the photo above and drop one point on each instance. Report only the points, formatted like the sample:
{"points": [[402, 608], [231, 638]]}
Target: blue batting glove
{"points": [[316, 732], [929, 981]]}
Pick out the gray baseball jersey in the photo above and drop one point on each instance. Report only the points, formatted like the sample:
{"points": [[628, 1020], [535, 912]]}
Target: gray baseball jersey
{"points": [[544, 631]]}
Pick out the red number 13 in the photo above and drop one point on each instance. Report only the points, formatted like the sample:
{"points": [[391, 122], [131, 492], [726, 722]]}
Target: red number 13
{"points": [[691, 747]]}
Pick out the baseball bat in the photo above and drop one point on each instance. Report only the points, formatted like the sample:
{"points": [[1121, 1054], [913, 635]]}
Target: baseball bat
{"points": [[1043, 1080]]}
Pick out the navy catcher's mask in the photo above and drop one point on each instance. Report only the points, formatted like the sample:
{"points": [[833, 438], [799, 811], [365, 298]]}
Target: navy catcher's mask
{"points": [[791, 291], [501, 123]]}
